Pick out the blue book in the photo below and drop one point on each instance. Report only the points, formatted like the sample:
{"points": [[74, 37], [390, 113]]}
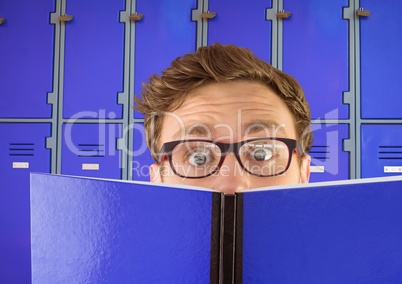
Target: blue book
{"points": [[87, 230]]}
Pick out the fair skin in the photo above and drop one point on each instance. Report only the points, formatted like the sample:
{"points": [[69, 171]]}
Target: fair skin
{"points": [[231, 112]]}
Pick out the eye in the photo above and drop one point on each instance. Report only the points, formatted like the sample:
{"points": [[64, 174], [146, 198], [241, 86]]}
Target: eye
{"points": [[199, 158], [261, 154]]}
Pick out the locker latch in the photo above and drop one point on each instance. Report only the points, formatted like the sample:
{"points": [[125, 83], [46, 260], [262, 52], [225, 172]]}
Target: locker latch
{"points": [[65, 18], [362, 13], [2, 21], [208, 15], [283, 14], [136, 17]]}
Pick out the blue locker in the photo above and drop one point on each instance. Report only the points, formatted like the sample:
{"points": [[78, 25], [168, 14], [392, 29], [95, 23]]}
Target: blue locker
{"points": [[328, 160], [90, 150], [22, 150], [93, 68], [242, 23], [381, 150], [381, 45], [26, 56], [165, 32], [141, 155], [315, 52]]}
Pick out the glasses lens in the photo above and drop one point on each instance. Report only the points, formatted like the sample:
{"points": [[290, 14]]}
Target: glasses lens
{"points": [[265, 157], [195, 158]]}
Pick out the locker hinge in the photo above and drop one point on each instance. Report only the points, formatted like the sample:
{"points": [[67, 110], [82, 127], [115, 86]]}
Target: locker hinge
{"points": [[52, 99], [121, 98], [124, 16], [54, 18], [348, 146], [121, 144], [348, 98], [348, 12], [50, 143]]}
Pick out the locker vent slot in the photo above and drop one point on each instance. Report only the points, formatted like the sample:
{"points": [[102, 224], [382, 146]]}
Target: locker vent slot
{"points": [[91, 150], [320, 152], [390, 152], [21, 149]]}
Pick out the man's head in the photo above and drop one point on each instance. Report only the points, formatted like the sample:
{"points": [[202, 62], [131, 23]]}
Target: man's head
{"points": [[225, 94]]}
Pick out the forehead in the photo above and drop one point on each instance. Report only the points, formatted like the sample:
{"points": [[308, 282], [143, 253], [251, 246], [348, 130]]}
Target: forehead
{"points": [[234, 109]]}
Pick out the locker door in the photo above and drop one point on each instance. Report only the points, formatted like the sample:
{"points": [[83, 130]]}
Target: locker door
{"points": [[26, 56], [381, 45], [141, 155], [328, 160], [165, 32], [315, 52], [93, 67], [381, 150], [242, 23], [22, 150], [90, 150]]}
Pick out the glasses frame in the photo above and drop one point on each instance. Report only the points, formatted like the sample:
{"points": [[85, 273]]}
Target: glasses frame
{"points": [[226, 148]]}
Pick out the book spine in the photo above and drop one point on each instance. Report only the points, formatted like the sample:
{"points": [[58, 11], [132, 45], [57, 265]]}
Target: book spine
{"points": [[216, 227], [238, 245], [228, 239]]}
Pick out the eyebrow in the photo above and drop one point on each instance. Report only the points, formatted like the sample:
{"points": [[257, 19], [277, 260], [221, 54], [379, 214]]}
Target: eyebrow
{"points": [[270, 127], [195, 129]]}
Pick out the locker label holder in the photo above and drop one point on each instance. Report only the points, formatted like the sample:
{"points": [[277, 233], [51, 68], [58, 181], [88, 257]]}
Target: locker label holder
{"points": [[90, 167], [317, 169], [20, 165], [392, 169]]}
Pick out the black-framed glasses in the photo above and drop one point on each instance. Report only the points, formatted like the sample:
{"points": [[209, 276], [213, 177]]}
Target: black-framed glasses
{"points": [[197, 158]]}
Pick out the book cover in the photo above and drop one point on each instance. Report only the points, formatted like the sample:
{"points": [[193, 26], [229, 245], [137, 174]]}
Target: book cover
{"points": [[87, 230]]}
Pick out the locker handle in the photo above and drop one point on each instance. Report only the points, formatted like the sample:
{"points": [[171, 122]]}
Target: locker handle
{"points": [[362, 13], [208, 15], [283, 14], [2, 21], [65, 18], [136, 17]]}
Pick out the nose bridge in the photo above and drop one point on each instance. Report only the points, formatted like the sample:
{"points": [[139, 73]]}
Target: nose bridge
{"points": [[231, 177], [230, 160], [230, 149]]}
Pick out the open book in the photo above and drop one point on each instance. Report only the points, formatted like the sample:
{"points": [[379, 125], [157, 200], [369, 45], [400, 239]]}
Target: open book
{"points": [[87, 230]]}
